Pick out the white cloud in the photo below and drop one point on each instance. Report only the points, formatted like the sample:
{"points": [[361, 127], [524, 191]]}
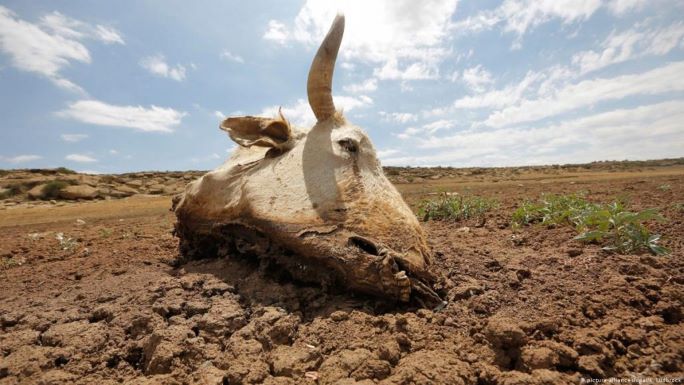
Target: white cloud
{"points": [[80, 158], [22, 158], [414, 71], [109, 35], [428, 128], [520, 16], [477, 78], [65, 26], [300, 113], [348, 66], [646, 132], [630, 44], [157, 65], [507, 96], [276, 32], [620, 7], [399, 117], [73, 137], [231, 56], [383, 154], [408, 133], [140, 118], [211, 158], [618, 47], [348, 103], [113, 152], [51, 45], [367, 85], [402, 39], [442, 124], [33, 49], [219, 115], [588, 92], [454, 76]]}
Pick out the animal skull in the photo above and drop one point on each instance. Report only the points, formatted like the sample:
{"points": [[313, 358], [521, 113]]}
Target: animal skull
{"points": [[315, 202]]}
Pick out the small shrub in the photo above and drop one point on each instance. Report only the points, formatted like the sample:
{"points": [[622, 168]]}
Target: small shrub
{"points": [[108, 179], [455, 207], [664, 187], [66, 243], [8, 262], [391, 171], [105, 232], [679, 207], [612, 225], [64, 170], [10, 191], [52, 188]]}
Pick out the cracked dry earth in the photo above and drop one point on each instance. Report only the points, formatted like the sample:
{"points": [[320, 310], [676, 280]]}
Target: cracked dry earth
{"points": [[108, 304]]}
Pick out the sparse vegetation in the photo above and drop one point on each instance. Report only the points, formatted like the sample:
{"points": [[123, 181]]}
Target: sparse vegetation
{"points": [[9, 191], [552, 210], [679, 207], [64, 170], [65, 242], [108, 179], [10, 261], [105, 232], [52, 188], [455, 207], [612, 225], [664, 187]]}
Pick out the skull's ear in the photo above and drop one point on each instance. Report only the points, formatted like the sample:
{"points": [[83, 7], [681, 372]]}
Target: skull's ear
{"points": [[250, 131]]}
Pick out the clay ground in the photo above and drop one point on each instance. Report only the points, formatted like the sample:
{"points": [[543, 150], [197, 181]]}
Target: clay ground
{"points": [[109, 305]]}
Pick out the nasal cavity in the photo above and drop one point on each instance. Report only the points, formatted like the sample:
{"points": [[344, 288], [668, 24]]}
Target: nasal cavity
{"points": [[364, 245]]}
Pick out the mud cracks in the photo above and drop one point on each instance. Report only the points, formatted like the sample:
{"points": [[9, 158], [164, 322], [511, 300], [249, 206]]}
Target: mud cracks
{"points": [[525, 308]]}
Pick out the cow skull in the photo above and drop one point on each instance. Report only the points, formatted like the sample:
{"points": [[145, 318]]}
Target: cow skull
{"points": [[316, 202]]}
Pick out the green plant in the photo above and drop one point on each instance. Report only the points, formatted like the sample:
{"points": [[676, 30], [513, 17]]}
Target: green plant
{"points": [[67, 243], [64, 170], [9, 191], [52, 188], [664, 187], [105, 232], [612, 225], [7, 262], [679, 206], [623, 230], [455, 207], [552, 210]]}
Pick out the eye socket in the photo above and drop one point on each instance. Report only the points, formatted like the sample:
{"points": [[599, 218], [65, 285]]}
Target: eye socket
{"points": [[349, 145]]}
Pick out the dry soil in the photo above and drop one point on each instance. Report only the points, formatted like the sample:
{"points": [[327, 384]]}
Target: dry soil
{"points": [[108, 304]]}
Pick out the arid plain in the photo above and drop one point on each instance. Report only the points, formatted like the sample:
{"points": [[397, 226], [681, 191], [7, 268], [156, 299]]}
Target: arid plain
{"points": [[92, 291]]}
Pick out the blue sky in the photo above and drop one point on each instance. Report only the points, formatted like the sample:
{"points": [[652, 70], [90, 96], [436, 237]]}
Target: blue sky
{"points": [[142, 85]]}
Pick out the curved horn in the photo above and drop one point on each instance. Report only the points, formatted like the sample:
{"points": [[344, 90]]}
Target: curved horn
{"points": [[319, 85]]}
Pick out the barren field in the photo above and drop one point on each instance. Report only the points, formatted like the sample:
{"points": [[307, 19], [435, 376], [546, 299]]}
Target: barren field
{"points": [[91, 292]]}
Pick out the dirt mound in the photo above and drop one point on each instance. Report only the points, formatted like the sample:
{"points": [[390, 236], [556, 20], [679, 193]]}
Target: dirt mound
{"points": [[102, 301]]}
